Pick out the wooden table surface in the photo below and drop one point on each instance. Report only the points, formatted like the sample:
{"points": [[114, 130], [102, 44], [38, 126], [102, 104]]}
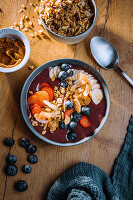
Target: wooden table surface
{"points": [[114, 22]]}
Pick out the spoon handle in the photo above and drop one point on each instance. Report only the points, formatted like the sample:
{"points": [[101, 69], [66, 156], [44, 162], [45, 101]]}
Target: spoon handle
{"points": [[124, 75]]}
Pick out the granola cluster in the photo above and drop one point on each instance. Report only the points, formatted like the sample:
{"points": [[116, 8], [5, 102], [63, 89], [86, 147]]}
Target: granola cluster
{"points": [[66, 17]]}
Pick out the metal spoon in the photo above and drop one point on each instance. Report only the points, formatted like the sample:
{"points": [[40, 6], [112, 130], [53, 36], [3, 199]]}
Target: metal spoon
{"points": [[106, 55]]}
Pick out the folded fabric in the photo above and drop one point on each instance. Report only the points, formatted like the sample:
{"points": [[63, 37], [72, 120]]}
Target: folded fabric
{"points": [[85, 181]]}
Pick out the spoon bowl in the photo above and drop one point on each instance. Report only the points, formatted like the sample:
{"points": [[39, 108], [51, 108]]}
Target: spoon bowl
{"points": [[106, 55]]}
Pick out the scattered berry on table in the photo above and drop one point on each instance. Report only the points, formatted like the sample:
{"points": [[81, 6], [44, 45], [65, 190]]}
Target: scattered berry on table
{"points": [[27, 169], [9, 142], [69, 105], [64, 84], [21, 186], [76, 117], [11, 159], [65, 67], [62, 75], [70, 73], [86, 110], [31, 149], [11, 170], [24, 142], [71, 135], [33, 159], [62, 125], [72, 125]]}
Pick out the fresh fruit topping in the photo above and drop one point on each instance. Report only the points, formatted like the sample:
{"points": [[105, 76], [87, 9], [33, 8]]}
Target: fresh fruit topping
{"points": [[33, 159], [62, 75], [11, 170], [67, 120], [69, 112], [27, 169], [65, 67], [36, 110], [50, 91], [76, 117], [31, 149], [70, 73], [51, 74], [9, 142], [86, 110], [24, 142], [33, 105], [64, 84], [11, 159], [85, 122], [71, 135], [77, 105], [44, 84], [42, 95], [72, 125], [97, 95], [21, 186], [62, 125], [69, 105], [33, 99]]}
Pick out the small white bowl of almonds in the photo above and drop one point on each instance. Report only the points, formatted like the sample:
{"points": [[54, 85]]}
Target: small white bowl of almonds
{"points": [[68, 21]]}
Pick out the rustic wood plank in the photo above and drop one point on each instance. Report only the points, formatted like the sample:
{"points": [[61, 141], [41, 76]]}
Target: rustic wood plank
{"points": [[114, 22]]}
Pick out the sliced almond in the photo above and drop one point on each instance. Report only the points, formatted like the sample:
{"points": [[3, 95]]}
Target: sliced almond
{"points": [[67, 120]]}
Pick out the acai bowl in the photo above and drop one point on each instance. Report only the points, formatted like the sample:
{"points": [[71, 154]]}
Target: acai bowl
{"points": [[65, 102]]}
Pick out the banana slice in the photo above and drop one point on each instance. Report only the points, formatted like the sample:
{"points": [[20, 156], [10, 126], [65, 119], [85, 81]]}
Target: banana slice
{"points": [[97, 95], [51, 74], [55, 71], [77, 105], [92, 82], [95, 86]]}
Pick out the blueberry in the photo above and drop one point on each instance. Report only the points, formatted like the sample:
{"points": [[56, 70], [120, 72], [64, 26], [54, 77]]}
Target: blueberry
{"points": [[27, 169], [72, 125], [11, 159], [76, 116], [62, 125], [11, 170], [31, 149], [21, 186], [69, 104], [24, 142], [62, 75], [9, 142], [70, 73], [86, 110], [65, 67], [71, 135], [64, 84], [33, 159]]}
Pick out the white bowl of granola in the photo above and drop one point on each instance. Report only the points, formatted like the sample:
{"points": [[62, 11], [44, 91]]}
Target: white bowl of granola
{"points": [[68, 21]]}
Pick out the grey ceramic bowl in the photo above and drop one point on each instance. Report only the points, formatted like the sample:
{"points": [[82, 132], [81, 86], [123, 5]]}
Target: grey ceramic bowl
{"points": [[55, 63], [74, 39]]}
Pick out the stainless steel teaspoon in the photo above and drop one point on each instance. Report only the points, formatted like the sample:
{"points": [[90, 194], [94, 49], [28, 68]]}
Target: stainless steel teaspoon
{"points": [[106, 56]]}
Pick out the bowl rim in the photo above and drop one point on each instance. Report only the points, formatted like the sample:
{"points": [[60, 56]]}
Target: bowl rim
{"points": [[25, 41], [76, 36], [38, 71]]}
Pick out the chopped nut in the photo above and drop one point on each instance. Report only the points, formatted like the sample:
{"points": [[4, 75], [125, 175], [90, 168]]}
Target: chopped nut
{"points": [[43, 132], [30, 92], [31, 67], [34, 123], [25, 29], [31, 35]]}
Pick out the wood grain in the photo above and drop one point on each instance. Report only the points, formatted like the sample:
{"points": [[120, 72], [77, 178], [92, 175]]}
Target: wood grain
{"points": [[114, 22]]}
